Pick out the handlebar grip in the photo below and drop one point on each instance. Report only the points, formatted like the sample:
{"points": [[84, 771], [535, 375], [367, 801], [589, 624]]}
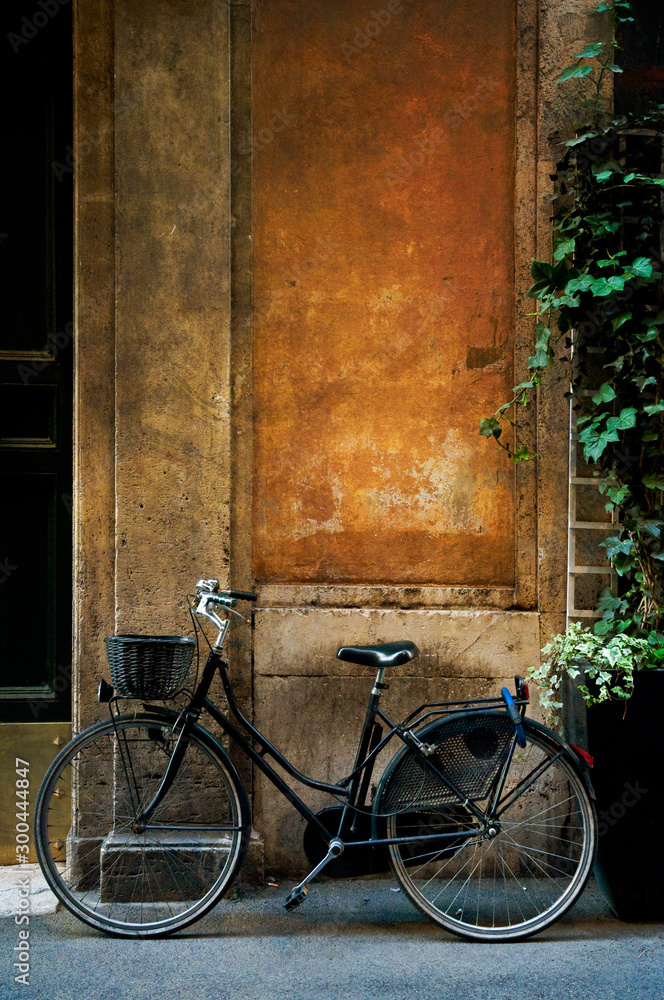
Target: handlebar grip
{"points": [[242, 595], [515, 716]]}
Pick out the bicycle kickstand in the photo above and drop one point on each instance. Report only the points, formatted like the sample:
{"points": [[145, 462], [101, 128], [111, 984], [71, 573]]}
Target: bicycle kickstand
{"points": [[299, 893]]}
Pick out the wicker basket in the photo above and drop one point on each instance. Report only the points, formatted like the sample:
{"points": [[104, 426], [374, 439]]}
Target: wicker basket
{"points": [[149, 666]]}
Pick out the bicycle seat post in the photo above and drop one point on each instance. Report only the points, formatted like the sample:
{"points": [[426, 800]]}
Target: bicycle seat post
{"points": [[378, 685]]}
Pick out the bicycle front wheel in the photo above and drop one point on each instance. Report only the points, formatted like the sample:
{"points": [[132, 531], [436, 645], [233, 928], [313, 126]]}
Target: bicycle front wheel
{"points": [[524, 870], [140, 884]]}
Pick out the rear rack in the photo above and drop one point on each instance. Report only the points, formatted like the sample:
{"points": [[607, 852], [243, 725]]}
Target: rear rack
{"points": [[441, 708]]}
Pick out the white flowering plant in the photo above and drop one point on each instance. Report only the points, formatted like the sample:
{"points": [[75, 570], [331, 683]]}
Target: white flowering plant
{"points": [[603, 668]]}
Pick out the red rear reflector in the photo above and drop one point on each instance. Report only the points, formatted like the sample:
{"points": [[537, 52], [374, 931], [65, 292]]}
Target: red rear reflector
{"points": [[590, 760], [526, 691]]}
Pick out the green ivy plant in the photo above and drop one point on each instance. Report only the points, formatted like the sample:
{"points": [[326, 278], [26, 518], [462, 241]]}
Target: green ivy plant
{"points": [[600, 313], [606, 667]]}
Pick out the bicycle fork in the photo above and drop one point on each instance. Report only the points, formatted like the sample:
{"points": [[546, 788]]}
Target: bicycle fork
{"points": [[142, 818]]}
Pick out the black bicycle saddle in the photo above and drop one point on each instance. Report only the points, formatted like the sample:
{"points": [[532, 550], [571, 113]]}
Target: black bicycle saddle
{"points": [[385, 654]]}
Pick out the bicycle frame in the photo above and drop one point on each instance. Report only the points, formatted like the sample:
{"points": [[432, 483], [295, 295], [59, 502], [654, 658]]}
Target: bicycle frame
{"points": [[353, 788], [482, 837]]}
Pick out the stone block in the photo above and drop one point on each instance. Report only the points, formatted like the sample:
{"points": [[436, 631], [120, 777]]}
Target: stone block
{"points": [[311, 705]]}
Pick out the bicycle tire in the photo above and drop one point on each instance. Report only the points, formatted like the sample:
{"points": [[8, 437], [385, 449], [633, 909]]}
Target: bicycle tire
{"points": [[500, 887], [158, 882]]}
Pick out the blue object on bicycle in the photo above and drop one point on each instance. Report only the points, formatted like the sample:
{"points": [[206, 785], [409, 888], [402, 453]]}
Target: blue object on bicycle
{"points": [[515, 716]]}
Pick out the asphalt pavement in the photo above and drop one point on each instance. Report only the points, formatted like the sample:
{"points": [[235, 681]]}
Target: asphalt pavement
{"points": [[350, 940]]}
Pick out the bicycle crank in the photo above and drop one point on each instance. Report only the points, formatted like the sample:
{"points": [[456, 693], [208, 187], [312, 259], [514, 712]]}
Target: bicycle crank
{"points": [[299, 893]]}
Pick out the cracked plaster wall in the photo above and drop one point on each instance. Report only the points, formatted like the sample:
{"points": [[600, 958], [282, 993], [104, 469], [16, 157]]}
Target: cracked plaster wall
{"points": [[156, 256]]}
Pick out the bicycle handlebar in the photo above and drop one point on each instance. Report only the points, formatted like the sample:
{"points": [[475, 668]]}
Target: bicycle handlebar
{"points": [[211, 587], [240, 595]]}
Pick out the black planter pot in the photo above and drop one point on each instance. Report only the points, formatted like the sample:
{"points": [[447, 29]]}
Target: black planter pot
{"points": [[625, 738]]}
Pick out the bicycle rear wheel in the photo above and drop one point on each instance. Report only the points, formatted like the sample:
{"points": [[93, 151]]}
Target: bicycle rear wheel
{"points": [[501, 885], [140, 884]]}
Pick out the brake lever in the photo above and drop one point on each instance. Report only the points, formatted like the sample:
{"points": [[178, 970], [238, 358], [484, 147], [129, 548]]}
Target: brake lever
{"points": [[247, 621]]}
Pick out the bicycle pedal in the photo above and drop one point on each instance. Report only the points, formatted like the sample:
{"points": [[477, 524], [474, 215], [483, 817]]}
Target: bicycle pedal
{"points": [[295, 897]]}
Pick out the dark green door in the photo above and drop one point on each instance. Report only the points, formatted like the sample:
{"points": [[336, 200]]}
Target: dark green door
{"points": [[36, 352]]}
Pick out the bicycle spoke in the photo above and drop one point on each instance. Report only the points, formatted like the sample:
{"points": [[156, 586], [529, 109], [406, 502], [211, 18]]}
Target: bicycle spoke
{"points": [[530, 864], [161, 878]]}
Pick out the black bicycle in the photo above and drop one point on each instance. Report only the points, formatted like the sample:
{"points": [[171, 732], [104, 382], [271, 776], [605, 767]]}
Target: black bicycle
{"points": [[142, 821]]}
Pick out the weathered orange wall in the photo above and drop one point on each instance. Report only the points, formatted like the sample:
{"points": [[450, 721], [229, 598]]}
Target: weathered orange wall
{"points": [[383, 287]]}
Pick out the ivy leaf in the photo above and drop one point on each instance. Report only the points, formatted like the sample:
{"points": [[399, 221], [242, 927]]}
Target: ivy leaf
{"points": [[600, 223], [616, 545], [654, 482], [590, 51], [572, 301], [647, 337], [618, 495], [574, 71], [521, 454], [624, 422], [540, 270], [543, 351], [564, 248], [595, 441], [607, 286], [655, 408], [490, 427], [657, 320], [560, 274], [611, 260], [614, 68], [543, 275], [609, 167], [580, 138], [580, 284], [620, 320], [604, 394], [641, 267]]}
